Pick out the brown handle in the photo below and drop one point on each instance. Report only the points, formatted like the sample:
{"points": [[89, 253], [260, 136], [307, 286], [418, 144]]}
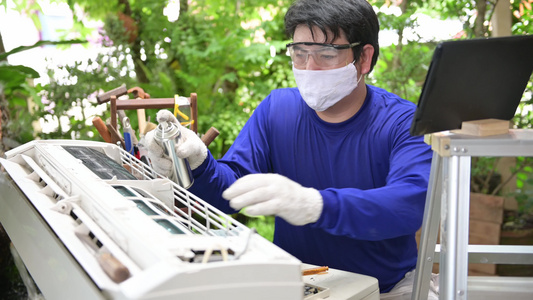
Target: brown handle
{"points": [[113, 108], [141, 114], [117, 92], [102, 129], [113, 267], [138, 93], [115, 136], [194, 112], [313, 271], [146, 103], [210, 135]]}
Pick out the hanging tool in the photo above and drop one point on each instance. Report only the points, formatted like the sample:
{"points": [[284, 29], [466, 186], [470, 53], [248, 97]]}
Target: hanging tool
{"points": [[115, 136], [144, 101], [210, 135], [102, 129], [117, 92], [130, 140], [139, 93]]}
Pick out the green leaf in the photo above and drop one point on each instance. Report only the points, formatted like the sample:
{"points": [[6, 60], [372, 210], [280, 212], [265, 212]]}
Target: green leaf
{"points": [[29, 72], [521, 176], [14, 76]]}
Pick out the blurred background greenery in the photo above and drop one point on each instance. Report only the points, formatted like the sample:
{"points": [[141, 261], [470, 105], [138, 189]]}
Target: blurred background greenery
{"points": [[230, 52]]}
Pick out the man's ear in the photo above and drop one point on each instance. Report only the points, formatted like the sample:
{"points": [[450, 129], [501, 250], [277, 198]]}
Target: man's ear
{"points": [[365, 59]]}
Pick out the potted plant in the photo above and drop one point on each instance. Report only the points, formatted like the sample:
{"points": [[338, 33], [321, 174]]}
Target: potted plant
{"points": [[501, 200], [517, 227], [511, 180]]}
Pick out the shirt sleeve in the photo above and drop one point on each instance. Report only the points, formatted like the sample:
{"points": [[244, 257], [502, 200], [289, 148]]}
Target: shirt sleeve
{"points": [[248, 154]]}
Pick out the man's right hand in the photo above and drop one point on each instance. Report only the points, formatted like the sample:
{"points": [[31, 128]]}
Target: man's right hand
{"points": [[190, 146]]}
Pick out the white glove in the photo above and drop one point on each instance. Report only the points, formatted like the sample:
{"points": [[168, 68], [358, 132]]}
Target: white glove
{"points": [[190, 146], [274, 194]]}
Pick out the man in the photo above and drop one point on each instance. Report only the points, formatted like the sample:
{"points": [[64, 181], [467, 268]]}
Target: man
{"points": [[332, 159]]}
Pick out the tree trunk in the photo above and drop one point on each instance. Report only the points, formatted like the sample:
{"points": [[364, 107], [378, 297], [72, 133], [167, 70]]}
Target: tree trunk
{"points": [[501, 19], [479, 27], [396, 59], [136, 44]]}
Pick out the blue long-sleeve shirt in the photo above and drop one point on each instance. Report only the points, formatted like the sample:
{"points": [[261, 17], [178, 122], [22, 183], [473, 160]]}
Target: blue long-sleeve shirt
{"points": [[371, 173]]}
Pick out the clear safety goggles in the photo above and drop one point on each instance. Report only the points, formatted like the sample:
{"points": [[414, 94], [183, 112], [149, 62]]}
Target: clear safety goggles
{"points": [[324, 55]]}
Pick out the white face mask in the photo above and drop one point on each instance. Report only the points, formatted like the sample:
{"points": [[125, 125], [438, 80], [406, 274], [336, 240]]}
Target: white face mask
{"points": [[321, 89]]}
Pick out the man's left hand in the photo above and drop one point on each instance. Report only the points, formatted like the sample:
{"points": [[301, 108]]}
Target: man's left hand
{"points": [[274, 194]]}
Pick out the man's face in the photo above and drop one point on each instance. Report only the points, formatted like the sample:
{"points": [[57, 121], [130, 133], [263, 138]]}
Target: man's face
{"points": [[322, 56]]}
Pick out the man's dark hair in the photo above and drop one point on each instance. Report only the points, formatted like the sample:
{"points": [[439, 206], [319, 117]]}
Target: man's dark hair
{"points": [[355, 17]]}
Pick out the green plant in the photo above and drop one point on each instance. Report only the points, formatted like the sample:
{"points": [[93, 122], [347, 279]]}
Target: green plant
{"points": [[19, 99], [524, 185], [264, 226], [523, 217], [486, 172]]}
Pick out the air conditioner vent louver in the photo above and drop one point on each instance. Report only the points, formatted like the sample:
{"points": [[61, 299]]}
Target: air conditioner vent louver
{"points": [[98, 201]]}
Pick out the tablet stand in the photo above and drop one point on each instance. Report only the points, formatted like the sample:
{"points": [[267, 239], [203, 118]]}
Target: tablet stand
{"points": [[447, 203]]}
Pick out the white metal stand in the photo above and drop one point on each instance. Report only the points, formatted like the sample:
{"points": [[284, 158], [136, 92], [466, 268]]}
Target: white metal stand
{"points": [[448, 196]]}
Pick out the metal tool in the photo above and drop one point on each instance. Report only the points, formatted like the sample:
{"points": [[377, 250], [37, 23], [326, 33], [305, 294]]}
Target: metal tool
{"points": [[168, 134]]}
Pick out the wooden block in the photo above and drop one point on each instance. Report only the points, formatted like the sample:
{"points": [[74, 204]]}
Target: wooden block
{"points": [[486, 127]]}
